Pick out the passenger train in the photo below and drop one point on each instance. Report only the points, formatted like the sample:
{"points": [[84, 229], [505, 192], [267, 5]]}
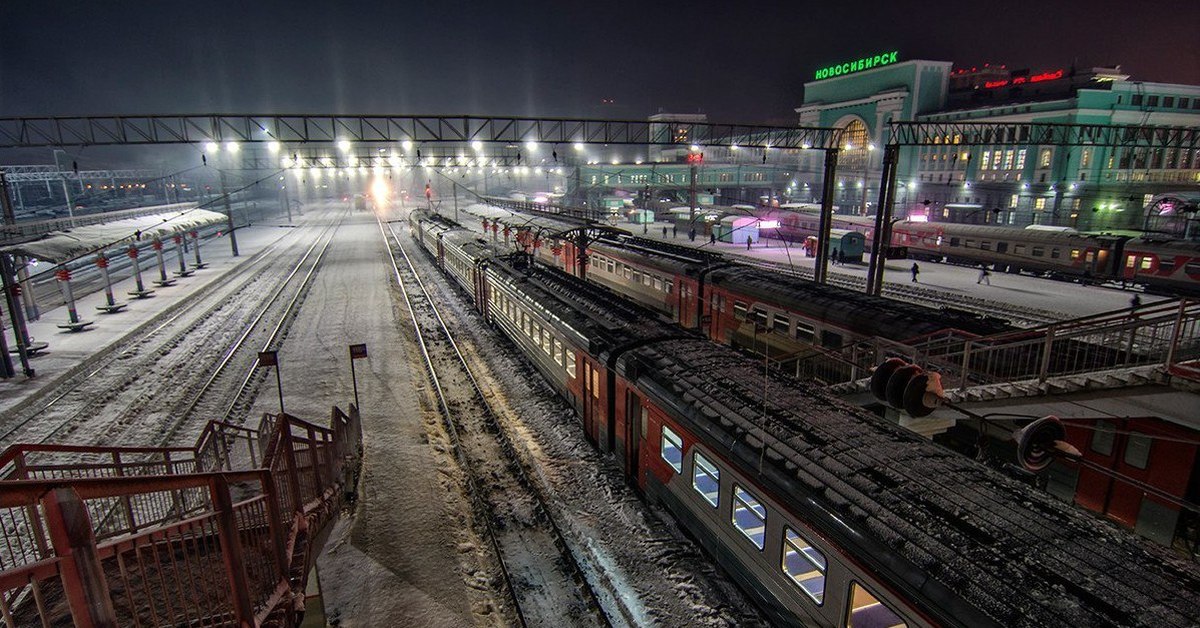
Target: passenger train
{"points": [[1161, 264], [824, 514], [768, 312]]}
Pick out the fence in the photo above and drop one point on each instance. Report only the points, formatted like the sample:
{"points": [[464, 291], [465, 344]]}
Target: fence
{"points": [[1165, 334], [219, 534]]}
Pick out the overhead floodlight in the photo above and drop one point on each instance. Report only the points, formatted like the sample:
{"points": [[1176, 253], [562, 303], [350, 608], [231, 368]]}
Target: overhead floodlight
{"points": [[406, 144], [477, 145], [695, 148], [578, 145], [531, 145], [232, 147], [212, 147], [344, 145], [273, 146]]}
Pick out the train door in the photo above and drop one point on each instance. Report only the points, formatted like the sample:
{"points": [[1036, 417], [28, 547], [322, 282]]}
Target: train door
{"points": [[590, 402], [634, 424]]}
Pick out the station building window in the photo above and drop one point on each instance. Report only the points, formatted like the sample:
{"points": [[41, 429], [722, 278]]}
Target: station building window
{"points": [[706, 479], [1102, 438], [749, 516], [805, 565], [1137, 451], [672, 449], [867, 611]]}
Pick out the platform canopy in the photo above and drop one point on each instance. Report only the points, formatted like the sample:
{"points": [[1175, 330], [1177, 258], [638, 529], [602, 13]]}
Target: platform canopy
{"points": [[63, 246]]}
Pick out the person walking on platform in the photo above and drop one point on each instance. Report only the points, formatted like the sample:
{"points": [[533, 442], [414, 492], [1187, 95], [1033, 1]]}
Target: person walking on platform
{"points": [[674, 231], [1136, 301], [712, 237], [984, 275], [749, 241], [692, 234], [664, 232], [836, 257], [916, 270]]}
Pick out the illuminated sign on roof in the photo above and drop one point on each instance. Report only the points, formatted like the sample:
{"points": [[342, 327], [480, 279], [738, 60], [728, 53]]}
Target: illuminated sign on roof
{"points": [[865, 63], [1017, 80]]}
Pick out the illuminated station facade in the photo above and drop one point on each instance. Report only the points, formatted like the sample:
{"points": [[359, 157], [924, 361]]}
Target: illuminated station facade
{"points": [[1085, 187]]}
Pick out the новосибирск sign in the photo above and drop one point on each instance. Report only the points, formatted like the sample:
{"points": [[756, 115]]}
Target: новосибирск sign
{"points": [[865, 63]]}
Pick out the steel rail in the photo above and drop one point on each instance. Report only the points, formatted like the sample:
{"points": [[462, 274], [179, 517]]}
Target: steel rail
{"points": [[592, 599]]}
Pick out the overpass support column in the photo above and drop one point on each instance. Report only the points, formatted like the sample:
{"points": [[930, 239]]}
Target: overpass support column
{"points": [[827, 191], [883, 220]]}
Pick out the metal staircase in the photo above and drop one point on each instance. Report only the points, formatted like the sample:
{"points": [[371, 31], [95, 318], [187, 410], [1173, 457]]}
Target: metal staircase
{"points": [[1155, 343], [218, 534]]}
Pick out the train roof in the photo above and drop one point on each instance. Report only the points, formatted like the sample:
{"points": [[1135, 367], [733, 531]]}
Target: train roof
{"points": [[513, 219], [1005, 233], [598, 315], [867, 315], [947, 529]]}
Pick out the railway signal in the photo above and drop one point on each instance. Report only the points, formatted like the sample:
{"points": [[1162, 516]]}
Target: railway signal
{"points": [[271, 358], [357, 352]]}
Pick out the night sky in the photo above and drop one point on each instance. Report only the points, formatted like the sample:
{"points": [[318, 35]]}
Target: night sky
{"points": [[736, 61]]}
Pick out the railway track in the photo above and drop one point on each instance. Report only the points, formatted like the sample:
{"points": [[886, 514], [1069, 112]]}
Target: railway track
{"points": [[149, 387], [541, 576]]}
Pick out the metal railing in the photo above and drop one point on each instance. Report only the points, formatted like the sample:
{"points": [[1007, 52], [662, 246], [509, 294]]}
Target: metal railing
{"points": [[218, 534], [1165, 334]]}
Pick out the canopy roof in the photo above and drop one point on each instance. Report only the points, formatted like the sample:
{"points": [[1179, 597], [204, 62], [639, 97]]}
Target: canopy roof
{"points": [[62, 246]]}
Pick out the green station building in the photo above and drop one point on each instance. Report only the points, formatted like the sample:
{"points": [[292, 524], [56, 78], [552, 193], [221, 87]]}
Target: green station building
{"points": [[1086, 187]]}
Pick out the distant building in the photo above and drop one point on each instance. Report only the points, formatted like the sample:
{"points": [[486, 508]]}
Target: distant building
{"points": [[1087, 187]]}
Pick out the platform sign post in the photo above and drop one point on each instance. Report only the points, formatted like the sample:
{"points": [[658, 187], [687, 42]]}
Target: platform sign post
{"points": [[356, 352], [271, 358]]}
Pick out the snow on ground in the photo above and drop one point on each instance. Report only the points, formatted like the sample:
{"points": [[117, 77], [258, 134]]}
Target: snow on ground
{"points": [[406, 555], [660, 577], [68, 350]]}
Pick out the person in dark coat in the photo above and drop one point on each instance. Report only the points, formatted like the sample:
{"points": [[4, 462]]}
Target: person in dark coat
{"points": [[1136, 301], [712, 237], [916, 270], [749, 241]]}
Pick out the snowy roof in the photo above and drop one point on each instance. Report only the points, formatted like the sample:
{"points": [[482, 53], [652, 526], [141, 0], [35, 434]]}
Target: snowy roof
{"points": [[969, 539], [62, 246]]}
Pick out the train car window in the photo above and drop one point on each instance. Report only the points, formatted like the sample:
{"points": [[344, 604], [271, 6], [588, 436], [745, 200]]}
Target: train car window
{"points": [[831, 339], [1075, 255], [1038, 251], [953, 241], [1001, 247], [760, 317], [1055, 253], [749, 516], [595, 383], [969, 243], [805, 564], [805, 332], [985, 246], [1166, 264], [668, 285], [866, 611], [672, 449], [1019, 249], [1102, 438], [781, 323], [612, 266], [556, 350], [658, 285], [1192, 268], [546, 341], [1146, 263], [571, 364], [706, 479], [1137, 450], [739, 310], [647, 280]]}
